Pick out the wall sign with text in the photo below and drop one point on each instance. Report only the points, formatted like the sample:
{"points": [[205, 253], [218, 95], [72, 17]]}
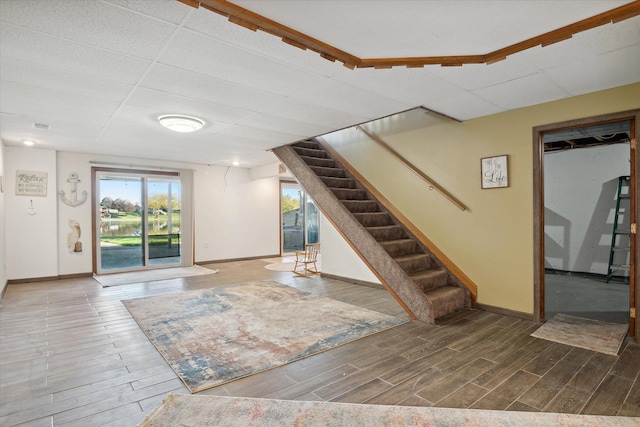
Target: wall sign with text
{"points": [[494, 172], [30, 183]]}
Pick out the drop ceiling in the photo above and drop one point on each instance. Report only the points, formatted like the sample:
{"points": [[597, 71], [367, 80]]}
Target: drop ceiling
{"points": [[100, 72]]}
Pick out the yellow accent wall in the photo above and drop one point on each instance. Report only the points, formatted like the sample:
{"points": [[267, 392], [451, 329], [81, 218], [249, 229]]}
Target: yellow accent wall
{"points": [[492, 242]]}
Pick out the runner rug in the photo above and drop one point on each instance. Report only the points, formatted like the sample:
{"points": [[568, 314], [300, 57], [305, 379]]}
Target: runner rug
{"points": [[591, 334], [151, 275], [213, 336], [204, 411]]}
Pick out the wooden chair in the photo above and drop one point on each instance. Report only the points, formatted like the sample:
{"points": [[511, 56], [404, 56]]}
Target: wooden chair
{"points": [[306, 260]]}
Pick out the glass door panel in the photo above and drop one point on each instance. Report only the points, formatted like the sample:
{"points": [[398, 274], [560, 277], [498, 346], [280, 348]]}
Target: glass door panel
{"points": [[313, 221], [164, 223], [300, 218], [121, 243], [138, 220], [292, 218]]}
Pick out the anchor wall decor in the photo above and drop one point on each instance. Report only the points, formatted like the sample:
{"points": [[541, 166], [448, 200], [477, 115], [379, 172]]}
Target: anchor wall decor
{"points": [[73, 201]]}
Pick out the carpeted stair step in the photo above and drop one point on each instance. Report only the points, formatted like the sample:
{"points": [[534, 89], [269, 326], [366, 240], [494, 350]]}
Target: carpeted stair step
{"points": [[361, 206], [373, 219], [335, 182], [387, 232], [397, 248], [349, 193], [311, 152], [328, 171], [446, 300], [430, 279], [307, 144], [317, 161], [414, 263]]}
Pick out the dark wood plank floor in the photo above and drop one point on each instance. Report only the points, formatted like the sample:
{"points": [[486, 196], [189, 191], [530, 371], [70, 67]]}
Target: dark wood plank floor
{"points": [[71, 355]]}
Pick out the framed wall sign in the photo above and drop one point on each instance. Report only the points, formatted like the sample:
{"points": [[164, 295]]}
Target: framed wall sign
{"points": [[30, 183], [495, 172]]}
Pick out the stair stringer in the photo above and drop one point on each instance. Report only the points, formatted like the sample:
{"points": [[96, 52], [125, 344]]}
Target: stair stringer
{"points": [[393, 278]]}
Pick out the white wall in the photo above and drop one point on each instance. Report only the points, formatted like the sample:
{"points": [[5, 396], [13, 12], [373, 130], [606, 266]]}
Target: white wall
{"points": [[580, 190], [236, 217], [31, 236], [338, 258], [3, 268]]}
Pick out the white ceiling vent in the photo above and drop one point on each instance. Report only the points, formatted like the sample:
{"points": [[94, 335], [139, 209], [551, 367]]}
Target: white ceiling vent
{"points": [[41, 126]]}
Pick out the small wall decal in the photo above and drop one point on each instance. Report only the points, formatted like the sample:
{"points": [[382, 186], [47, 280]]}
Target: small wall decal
{"points": [[30, 183], [73, 238], [73, 200]]}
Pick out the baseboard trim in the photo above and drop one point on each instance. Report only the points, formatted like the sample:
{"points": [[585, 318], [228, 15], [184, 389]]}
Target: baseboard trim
{"points": [[505, 311], [48, 278], [217, 261], [32, 280], [75, 275], [350, 280]]}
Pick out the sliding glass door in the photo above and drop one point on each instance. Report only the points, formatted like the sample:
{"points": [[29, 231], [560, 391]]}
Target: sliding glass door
{"points": [[138, 220], [300, 220]]}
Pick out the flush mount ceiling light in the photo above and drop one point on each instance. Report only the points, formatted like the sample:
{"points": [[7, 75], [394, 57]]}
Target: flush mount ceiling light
{"points": [[28, 142], [180, 123]]}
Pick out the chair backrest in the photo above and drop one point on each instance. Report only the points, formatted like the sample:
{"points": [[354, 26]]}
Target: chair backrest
{"points": [[311, 251]]}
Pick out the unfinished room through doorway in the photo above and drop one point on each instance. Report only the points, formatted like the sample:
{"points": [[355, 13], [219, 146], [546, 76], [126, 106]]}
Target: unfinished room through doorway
{"points": [[578, 167]]}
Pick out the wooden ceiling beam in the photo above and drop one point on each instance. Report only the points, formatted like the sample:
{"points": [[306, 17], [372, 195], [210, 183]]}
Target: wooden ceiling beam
{"points": [[289, 35], [254, 22]]}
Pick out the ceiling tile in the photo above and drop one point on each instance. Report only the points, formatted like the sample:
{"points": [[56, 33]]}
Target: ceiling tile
{"points": [[173, 80], [94, 23], [399, 28], [159, 103], [308, 112], [611, 69], [586, 44], [167, 10], [38, 48], [44, 77], [348, 98], [259, 42], [419, 87], [525, 91], [266, 138], [275, 123], [204, 55]]}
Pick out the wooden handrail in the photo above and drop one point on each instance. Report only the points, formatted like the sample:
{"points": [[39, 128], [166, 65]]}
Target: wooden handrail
{"points": [[411, 227], [432, 184]]}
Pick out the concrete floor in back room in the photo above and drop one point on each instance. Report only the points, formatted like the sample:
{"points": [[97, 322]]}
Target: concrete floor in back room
{"points": [[589, 297]]}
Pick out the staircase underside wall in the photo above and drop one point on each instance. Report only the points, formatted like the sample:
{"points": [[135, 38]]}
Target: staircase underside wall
{"points": [[384, 267]]}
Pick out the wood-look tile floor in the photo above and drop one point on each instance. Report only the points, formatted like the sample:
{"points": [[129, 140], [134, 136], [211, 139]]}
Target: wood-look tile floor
{"points": [[71, 355]]}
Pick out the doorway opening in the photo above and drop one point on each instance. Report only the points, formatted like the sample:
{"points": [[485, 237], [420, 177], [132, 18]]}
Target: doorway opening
{"points": [[139, 221], [300, 222], [578, 170]]}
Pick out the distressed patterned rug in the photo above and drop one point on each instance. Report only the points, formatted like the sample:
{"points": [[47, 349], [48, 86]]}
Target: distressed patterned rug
{"points": [[217, 335], [595, 335], [203, 411]]}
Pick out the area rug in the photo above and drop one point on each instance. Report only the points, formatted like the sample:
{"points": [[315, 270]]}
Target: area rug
{"points": [[286, 266], [202, 411], [151, 275], [217, 335], [590, 334]]}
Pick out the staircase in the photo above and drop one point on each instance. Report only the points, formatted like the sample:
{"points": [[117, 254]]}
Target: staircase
{"points": [[417, 280]]}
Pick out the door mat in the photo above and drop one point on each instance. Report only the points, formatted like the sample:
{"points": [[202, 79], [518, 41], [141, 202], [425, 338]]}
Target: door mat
{"points": [[589, 334], [151, 275]]}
